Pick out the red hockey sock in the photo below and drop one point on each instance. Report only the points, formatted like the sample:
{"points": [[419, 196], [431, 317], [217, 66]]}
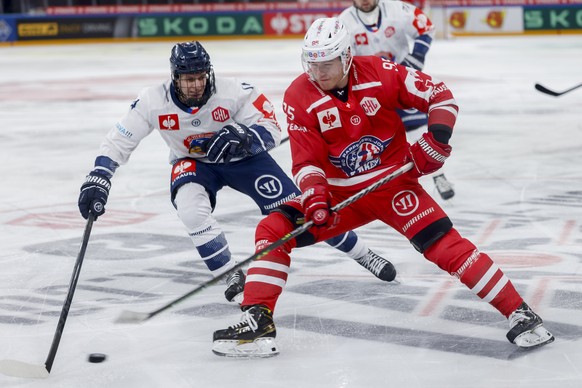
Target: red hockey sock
{"points": [[267, 276], [476, 270]]}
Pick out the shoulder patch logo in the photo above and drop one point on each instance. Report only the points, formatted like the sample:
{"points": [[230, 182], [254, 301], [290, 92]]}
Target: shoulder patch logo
{"points": [[169, 122]]}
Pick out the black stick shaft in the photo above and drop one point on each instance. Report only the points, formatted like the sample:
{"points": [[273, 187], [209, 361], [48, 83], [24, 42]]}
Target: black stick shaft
{"points": [[69, 299], [545, 90]]}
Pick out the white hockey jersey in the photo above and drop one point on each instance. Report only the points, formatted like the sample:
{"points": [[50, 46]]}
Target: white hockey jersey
{"points": [[398, 24], [185, 129]]}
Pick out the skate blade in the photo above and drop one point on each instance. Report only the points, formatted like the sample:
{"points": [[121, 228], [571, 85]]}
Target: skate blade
{"points": [[238, 298], [532, 339], [259, 348]]}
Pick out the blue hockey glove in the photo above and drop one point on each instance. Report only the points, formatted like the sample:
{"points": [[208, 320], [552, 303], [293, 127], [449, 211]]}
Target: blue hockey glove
{"points": [[233, 140], [94, 193], [419, 51], [411, 60]]}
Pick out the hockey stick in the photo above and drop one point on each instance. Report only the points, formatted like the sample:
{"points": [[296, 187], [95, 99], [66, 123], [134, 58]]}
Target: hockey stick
{"points": [[137, 317], [545, 90], [22, 369]]}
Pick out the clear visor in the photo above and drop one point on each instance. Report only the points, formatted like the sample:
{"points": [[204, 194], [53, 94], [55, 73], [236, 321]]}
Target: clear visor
{"points": [[323, 61]]}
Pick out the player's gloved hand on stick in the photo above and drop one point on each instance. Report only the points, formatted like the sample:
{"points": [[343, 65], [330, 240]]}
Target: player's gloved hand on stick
{"points": [[94, 193], [233, 140], [428, 154], [316, 204]]}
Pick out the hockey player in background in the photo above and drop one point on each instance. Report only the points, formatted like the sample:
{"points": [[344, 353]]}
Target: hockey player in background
{"points": [[345, 135], [402, 33], [219, 131]]}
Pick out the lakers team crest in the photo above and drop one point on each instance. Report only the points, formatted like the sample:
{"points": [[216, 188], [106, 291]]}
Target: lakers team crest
{"points": [[361, 156]]}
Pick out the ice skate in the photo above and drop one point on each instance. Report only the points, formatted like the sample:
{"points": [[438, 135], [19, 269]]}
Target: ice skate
{"points": [[379, 266], [527, 329], [254, 336], [235, 286], [443, 186]]}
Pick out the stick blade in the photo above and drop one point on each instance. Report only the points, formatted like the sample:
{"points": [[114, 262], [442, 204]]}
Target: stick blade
{"points": [[16, 368], [545, 90], [127, 316]]}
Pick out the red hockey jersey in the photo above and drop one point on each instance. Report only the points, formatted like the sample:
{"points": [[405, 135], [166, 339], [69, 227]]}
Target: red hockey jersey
{"points": [[356, 142]]}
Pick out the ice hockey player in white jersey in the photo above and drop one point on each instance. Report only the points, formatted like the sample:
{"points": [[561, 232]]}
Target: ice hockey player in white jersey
{"points": [[218, 131], [402, 33]]}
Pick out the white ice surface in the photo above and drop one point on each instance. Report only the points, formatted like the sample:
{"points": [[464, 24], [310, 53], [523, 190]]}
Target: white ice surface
{"points": [[516, 167]]}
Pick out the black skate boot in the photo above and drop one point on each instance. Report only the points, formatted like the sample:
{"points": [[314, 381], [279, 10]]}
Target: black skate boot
{"points": [[253, 336], [379, 266], [527, 329], [235, 286], [443, 186]]}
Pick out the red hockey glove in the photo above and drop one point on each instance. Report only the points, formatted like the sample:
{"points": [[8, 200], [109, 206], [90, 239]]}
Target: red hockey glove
{"points": [[316, 199], [316, 204], [428, 154]]}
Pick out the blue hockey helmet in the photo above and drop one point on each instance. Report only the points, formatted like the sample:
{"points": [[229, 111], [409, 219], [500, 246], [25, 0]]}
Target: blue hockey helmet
{"points": [[192, 58]]}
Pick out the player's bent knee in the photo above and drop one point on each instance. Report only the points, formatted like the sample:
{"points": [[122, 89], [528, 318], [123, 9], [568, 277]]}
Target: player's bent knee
{"points": [[431, 234], [281, 221], [193, 206], [451, 251]]}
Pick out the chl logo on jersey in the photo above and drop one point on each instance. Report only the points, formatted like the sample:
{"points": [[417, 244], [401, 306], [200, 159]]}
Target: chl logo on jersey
{"points": [[220, 114], [269, 186], [329, 119], [370, 105], [169, 122], [361, 156]]}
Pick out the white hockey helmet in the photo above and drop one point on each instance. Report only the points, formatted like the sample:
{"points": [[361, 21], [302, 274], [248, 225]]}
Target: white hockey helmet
{"points": [[326, 39]]}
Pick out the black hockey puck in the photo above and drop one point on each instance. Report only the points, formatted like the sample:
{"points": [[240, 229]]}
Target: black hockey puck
{"points": [[97, 357]]}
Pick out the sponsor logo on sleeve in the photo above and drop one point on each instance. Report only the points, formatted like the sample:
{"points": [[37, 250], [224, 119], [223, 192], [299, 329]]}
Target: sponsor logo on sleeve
{"points": [[264, 106], [295, 127], [419, 84]]}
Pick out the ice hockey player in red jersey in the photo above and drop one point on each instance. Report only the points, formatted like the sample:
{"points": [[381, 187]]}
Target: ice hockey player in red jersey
{"points": [[345, 135]]}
